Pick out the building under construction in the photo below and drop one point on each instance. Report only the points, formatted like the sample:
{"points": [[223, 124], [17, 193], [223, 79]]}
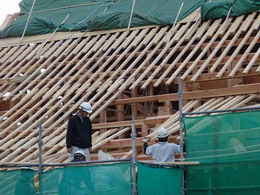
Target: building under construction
{"points": [[193, 69]]}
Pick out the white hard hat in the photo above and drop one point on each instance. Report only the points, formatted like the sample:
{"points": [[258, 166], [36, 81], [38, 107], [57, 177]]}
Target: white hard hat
{"points": [[80, 152], [162, 133], [86, 107]]}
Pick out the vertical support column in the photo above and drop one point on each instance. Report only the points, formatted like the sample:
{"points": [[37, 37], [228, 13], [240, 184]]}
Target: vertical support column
{"points": [[120, 111], [103, 119], [145, 129], [134, 93], [234, 81], [180, 94], [168, 107], [40, 155], [133, 159], [150, 93]]}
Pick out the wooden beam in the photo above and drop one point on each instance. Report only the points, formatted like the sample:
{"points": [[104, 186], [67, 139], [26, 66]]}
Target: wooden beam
{"points": [[127, 142], [212, 76], [17, 79], [138, 123], [122, 143], [199, 94]]}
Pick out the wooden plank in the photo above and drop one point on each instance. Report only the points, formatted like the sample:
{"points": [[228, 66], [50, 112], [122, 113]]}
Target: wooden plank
{"points": [[184, 63], [205, 49], [4, 51], [244, 56], [82, 66], [130, 79], [129, 68], [57, 67], [8, 54], [234, 26], [28, 103], [156, 60], [188, 35], [23, 66], [253, 60], [121, 132], [64, 35], [118, 70], [244, 40], [16, 79], [138, 123], [11, 61], [234, 38], [34, 70], [199, 94], [179, 163], [80, 90]]}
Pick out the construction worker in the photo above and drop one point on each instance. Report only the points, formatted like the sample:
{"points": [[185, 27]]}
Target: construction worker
{"points": [[162, 151], [78, 138]]}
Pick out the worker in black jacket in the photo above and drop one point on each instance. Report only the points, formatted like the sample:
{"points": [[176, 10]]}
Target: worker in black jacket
{"points": [[78, 138]]}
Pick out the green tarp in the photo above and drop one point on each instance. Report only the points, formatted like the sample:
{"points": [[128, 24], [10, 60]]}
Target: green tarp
{"points": [[18, 182], [163, 180], [90, 15], [224, 179], [228, 148], [220, 8], [89, 180], [102, 179]]}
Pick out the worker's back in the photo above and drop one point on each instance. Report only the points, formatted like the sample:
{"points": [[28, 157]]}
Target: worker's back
{"points": [[163, 151]]}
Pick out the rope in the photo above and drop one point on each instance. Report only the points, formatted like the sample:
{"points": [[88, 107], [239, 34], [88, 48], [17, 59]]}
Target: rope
{"points": [[131, 15], [175, 21], [28, 20], [52, 34], [178, 14], [229, 12]]}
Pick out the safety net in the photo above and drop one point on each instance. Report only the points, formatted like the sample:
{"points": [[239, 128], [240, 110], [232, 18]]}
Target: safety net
{"points": [[108, 179], [90, 15], [222, 8], [99, 179], [159, 179], [227, 146], [17, 182]]}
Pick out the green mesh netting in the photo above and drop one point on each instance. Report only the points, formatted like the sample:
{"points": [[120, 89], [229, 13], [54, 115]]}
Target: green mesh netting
{"points": [[163, 180], [18, 182], [107, 179], [224, 179], [228, 147], [220, 8], [103, 179], [90, 15]]}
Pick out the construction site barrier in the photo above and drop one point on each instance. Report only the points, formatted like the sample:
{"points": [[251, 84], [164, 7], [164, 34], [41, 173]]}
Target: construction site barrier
{"points": [[228, 149], [17, 182], [154, 179], [106, 178]]}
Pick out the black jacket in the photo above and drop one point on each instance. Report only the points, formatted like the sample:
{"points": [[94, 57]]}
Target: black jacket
{"points": [[79, 132]]}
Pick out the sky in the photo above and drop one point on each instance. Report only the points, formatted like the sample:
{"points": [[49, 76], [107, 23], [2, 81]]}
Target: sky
{"points": [[8, 7]]}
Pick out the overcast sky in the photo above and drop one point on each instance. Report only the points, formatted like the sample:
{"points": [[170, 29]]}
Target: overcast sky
{"points": [[8, 7]]}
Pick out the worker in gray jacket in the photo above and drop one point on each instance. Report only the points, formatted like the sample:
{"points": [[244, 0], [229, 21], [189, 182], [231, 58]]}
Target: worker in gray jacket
{"points": [[163, 151]]}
